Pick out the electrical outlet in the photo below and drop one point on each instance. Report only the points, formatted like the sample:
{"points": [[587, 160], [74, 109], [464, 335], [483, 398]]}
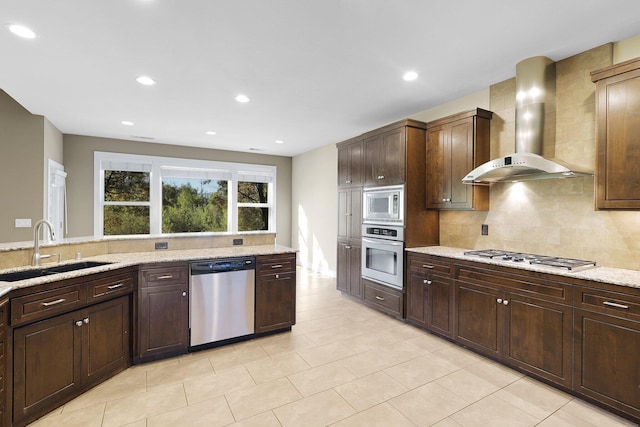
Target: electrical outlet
{"points": [[484, 229], [162, 245], [237, 242], [23, 222]]}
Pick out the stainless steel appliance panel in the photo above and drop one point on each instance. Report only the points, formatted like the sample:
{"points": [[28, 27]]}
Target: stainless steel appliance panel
{"points": [[222, 305]]}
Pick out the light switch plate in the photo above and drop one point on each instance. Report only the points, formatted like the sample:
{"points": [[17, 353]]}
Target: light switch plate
{"points": [[23, 222]]}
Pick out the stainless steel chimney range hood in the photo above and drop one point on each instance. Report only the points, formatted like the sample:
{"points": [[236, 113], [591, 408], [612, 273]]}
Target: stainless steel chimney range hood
{"points": [[535, 102]]}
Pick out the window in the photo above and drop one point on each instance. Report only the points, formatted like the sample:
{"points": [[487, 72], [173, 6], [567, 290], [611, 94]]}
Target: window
{"points": [[157, 195]]}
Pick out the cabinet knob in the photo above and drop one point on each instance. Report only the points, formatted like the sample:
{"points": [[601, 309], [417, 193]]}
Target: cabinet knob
{"points": [[446, 200], [277, 276], [184, 294], [79, 323], [426, 282], [505, 302], [348, 181], [499, 300], [86, 320], [347, 247], [380, 176]]}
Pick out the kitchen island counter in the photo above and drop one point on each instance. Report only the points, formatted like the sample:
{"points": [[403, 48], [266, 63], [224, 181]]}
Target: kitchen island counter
{"points": [[613, 276]]}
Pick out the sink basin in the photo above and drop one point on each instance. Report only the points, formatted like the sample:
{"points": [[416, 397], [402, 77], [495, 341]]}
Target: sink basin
{"points": [[40, 272], [75, 266]]}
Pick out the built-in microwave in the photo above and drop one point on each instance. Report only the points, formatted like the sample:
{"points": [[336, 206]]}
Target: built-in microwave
{"points": [[383, 205]]}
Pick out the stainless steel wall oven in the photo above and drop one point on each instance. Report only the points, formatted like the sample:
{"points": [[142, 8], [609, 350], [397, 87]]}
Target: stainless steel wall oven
{"points": [[383, 254]]}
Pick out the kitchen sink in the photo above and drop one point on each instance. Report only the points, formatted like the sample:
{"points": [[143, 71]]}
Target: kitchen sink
{"points": [[40, 272]]}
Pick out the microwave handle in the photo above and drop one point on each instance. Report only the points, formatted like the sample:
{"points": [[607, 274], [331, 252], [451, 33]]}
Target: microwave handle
{"points": [[385, 242]]}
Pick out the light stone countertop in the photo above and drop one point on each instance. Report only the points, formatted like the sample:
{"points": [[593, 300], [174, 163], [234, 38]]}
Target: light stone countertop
{"points": [[614, 276], [128, 259]]}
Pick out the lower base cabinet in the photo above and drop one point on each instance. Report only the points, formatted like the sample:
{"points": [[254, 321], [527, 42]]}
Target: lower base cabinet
{"points": [[275, 292], [349, 268], [384, 298], [56, 359]]}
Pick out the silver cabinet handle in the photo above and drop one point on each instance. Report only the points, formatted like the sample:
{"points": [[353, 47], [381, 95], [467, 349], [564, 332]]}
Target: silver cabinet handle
{"points": [[184, 294], [427, 266], [426, 282], [277, 266], [499, 300], [616, 305], [112, 287], [86, 320], [348, 181], [50, 303], [347, 247], [166, 276], [79, 323], [505, 302], [379, 298]]}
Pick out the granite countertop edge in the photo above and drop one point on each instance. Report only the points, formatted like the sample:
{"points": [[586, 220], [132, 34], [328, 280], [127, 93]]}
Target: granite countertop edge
{"points": [[613, 276], [118, 261]]}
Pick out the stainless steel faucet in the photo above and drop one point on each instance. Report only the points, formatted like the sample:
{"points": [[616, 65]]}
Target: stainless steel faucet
{"points": [[36, 240]]}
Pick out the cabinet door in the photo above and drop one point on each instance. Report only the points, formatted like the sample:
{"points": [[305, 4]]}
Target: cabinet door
{"points": [[538, 337], [350, 164], [618, 124], [106, 342], [460, 163], [348, 268], [384, 158], [438, 173], [47, 365], [479, 318], [164, 321], [350, 213], [275, 301], [606, 360], [416, 295], [439, 306]]}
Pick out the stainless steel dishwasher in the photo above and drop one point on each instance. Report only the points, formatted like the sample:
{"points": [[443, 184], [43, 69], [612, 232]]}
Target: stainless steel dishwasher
{"points": [[221, 301]]}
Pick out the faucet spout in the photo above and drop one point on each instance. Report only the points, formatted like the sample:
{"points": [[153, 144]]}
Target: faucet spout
{"points": [[36, 239]]}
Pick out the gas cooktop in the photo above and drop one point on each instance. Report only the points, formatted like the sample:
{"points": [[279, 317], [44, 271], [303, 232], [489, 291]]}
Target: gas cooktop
{"points": [[566, 263]]}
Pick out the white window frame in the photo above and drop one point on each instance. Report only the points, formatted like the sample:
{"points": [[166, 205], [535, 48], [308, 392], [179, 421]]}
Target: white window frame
{"points": [[233, 172]]}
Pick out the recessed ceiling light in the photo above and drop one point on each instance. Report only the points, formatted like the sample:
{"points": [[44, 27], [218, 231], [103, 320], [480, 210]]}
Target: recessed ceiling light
{"points": [[210, 132], [127, 123], [22, 31], [242, 98], [410, 75], [279, 141], [145, 80]]}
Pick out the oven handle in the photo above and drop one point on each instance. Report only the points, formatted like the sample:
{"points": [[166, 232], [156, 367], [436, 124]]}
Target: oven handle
{"points": [[382, 242]]}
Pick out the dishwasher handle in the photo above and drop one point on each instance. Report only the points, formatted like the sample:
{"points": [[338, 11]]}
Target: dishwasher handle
{"points": [[222, 265]]}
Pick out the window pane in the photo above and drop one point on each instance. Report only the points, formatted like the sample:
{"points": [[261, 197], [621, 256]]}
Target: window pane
{"points": [[125, 186], [252, 192], [120, 220], [194, 205], [253, 219]]}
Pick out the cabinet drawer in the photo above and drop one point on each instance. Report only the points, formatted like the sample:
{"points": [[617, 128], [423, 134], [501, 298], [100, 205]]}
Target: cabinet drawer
{"points": [[429, 265], [43, 304], [388, 299], [608, 302], [164, 276], [275, 264], [109, 286]]}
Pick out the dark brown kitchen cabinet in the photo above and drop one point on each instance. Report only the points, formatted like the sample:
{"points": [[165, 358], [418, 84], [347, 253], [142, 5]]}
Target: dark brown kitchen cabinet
{"points": [[429, 296], [456, 145], [163, 311], [349, 268], [275, 292], [4, 348], [57, 358], [618, 135], [350, 213], [607, 341], [384, 298], [521, 318], [384, 157], [350, 163]]}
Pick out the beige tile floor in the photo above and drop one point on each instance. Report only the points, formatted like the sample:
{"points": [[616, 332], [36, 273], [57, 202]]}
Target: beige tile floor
{"points": [[342, 365]]}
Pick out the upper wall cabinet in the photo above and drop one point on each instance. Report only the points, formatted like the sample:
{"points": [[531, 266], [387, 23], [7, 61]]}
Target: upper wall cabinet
{"points": [[350, 163], [618, 135], [455, 145], [385, 152]]}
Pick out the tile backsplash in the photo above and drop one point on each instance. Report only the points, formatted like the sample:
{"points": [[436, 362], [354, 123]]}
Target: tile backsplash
{"points": [[551, 217]]}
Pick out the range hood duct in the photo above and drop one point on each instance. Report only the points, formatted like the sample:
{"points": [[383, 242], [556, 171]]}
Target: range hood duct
{"points": [[535, 105]]}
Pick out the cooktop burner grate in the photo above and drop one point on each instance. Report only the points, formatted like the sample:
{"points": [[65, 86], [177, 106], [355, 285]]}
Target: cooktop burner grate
{"points": [[567, 263]]}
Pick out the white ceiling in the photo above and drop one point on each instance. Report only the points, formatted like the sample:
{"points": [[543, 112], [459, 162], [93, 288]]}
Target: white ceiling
{"points": [[317, 71]]}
